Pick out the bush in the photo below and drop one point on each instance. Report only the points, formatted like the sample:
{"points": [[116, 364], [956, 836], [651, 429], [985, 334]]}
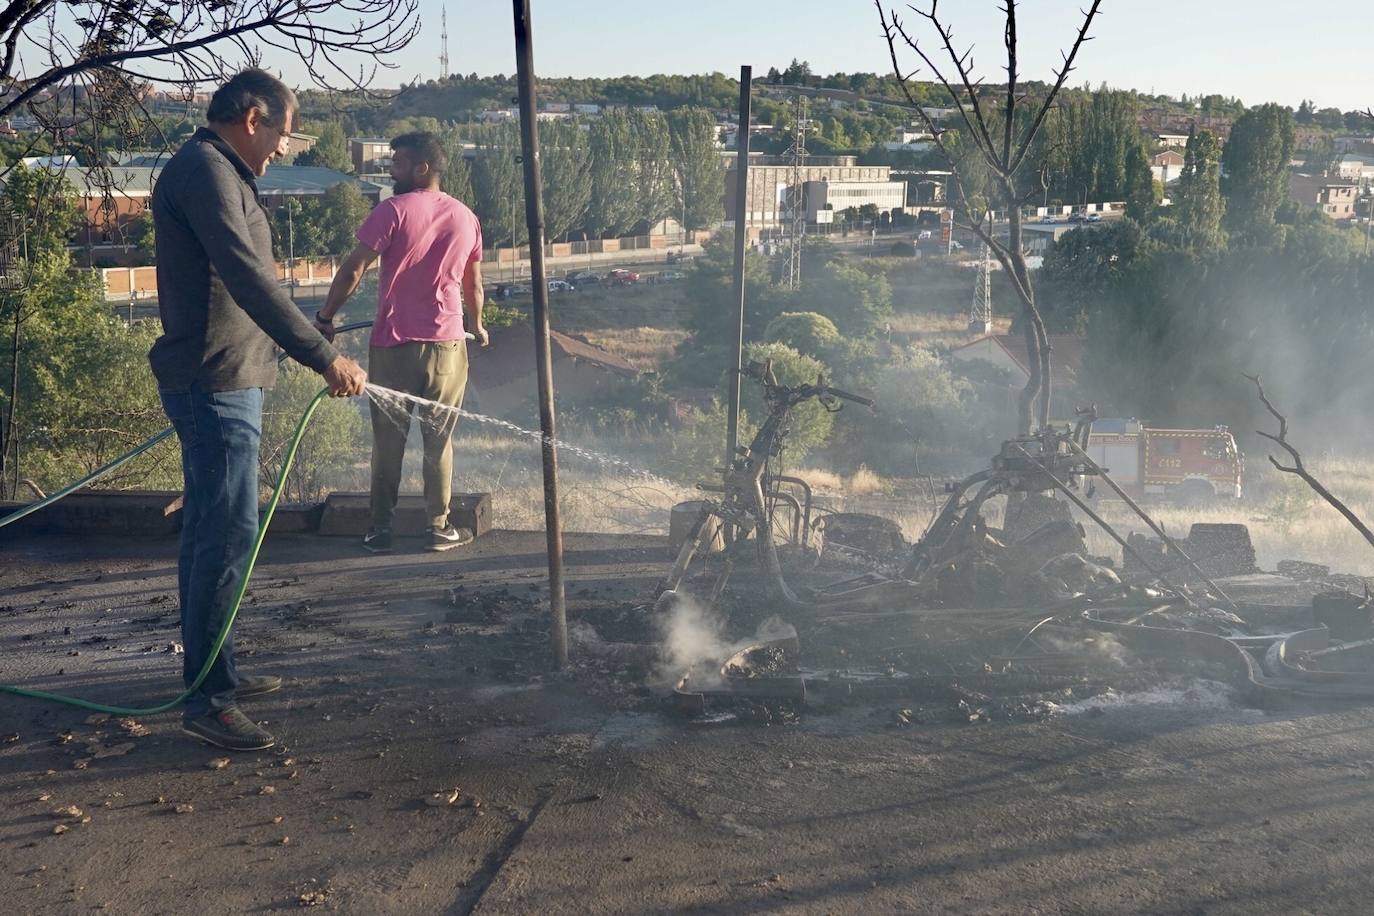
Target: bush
{"points": [[903, 249], [806, 332]]}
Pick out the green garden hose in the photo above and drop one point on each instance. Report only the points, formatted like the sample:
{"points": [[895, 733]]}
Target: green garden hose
{"points": [[233, 612]]}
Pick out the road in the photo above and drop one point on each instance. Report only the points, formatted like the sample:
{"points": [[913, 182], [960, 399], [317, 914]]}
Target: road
{"points": [[579, 794]]}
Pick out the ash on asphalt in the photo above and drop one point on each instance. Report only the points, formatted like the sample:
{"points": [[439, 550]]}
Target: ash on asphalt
{"points": [[421, 676]]}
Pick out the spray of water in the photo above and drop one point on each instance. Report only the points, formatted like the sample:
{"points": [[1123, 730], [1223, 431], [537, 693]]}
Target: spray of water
{"points": [[397, 404]]}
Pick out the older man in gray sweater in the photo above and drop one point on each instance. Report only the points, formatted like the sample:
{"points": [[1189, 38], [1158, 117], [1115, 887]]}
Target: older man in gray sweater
{"points": [[223, 314]]}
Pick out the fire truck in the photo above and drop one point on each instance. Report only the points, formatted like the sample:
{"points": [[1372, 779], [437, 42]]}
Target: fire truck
{"points": [[1190, 465]]}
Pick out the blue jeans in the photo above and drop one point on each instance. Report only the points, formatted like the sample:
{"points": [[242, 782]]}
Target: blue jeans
{"points": [[219, 433]]}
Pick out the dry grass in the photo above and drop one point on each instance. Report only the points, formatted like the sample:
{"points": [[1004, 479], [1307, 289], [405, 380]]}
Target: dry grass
{"points": [[1285, 519], [646, 348], [933, 329], [863, 482]]}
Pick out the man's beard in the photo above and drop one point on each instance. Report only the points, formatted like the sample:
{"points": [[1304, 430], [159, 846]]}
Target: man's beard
{"points": [[403, 185]]}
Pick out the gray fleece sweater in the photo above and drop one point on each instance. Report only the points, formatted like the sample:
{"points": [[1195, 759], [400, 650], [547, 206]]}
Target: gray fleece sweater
{"points": [[222, 309]]}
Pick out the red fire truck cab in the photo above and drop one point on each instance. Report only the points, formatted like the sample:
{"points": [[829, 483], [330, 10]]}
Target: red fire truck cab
{"points": [[1190, 464]]}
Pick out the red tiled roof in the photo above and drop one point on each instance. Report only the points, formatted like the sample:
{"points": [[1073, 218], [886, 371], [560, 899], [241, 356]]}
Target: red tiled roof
{"points": [[1066, 354]]}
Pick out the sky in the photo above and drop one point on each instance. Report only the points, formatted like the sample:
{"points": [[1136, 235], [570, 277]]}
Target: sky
{"points": [[1258, 50]]}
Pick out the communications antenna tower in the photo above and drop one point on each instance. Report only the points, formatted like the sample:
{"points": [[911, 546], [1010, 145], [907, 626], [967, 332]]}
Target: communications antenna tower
{"points": [[796, 196], [443, 44], [980, 315]]}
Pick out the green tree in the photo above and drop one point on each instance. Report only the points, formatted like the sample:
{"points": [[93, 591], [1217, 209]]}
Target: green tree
{"points": [[498, 186], [141, 236], [330, 151], [341, 210], [697, 168], [1321, 156], [457, 178], [797, 73], [1093, 138], [612, 208], [1143, 193], [1255, 169], [1198, 204], [566, 175], [857, 300], [653, 167]]}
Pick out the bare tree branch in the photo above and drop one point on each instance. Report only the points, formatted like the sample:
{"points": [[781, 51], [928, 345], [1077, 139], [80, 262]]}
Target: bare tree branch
{"points": [[1298, 469], [199, 41], [1004, 163]]}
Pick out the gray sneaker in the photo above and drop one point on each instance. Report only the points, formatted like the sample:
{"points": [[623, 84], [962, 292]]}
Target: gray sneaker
{"points": [[377, 540], [448, 537], [229, 728]]}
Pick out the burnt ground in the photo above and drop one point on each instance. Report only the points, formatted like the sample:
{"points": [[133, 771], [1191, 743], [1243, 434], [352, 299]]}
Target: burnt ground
{"points": [[581, 792]]}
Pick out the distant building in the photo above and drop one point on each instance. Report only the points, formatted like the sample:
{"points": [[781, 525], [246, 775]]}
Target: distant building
{"points": [[1172, 140], [57, 163], [114, 196], [841, 195], [1166, 166], [1356, 167], [498, 115], [586, 108], [1337, 200], [1333, 196], [1167, 121], [769, 180], [369, 154]]}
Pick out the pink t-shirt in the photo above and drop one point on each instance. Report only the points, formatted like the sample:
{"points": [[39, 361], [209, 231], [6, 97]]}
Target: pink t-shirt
{"points": [[426, 240]]}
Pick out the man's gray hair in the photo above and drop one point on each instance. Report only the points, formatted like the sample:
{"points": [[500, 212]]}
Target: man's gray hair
{"points": [[251, 89]]}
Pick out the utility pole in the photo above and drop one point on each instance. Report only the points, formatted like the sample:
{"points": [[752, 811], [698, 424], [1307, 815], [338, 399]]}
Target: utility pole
{"points": [[534, 219], [741, 231], [290, 250], [796, 197]]}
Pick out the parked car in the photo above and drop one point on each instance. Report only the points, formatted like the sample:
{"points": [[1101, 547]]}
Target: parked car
{"points": [[1049, 218], [1076, 217], [1094, 218], [667, 276], [622, 277], [561, 286], [675, 258], [583, 278], [511, 290]]}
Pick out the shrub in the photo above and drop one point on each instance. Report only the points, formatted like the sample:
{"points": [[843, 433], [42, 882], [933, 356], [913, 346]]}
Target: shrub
{"points": [[805, 332]]}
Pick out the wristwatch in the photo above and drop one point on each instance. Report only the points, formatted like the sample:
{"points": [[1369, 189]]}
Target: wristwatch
{"points": [[323, 320]]}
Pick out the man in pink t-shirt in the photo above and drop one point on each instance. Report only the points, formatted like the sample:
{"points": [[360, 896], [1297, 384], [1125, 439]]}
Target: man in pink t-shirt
{"points": [[428, 294]]}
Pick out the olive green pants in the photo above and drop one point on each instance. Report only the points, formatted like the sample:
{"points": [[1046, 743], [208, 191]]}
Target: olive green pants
{"points": [[433, 370]]}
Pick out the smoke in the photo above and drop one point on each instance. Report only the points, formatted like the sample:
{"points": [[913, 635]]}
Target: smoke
{"points": [[693, 639]]}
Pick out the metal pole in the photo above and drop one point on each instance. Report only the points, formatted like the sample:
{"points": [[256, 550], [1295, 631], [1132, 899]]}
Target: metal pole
{"points": [[534, 218], [741, 229], [291, 249]]}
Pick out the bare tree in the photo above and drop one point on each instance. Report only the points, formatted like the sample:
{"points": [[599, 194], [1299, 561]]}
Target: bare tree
{"points": [[48, 42], [1298, 469], [1004, 148]]}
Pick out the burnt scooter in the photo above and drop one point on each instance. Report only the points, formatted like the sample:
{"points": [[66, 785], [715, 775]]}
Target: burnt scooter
{"points": [[745, 513]]}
